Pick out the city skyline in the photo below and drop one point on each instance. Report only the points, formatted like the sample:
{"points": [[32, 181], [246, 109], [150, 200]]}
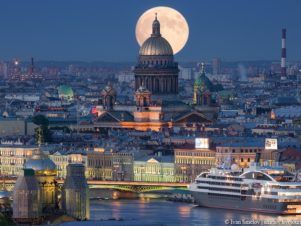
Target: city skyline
{"points": [[98, 129], [94, 33]]}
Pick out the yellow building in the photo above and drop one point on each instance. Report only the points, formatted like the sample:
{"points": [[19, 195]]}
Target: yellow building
{"points": [[155, 169], [109, 166], [13, 157], [61, 161], [241, 154], [190, 162]]}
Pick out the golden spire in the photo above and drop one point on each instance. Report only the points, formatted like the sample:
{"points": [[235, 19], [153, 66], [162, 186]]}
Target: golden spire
{"points": [[156, 27]]}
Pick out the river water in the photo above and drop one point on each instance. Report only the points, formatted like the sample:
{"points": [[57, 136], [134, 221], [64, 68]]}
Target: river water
{"points": [[158, 212]]}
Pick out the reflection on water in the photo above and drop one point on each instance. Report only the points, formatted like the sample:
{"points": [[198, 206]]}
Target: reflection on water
{"points": [[184, 211], [160, 212]]}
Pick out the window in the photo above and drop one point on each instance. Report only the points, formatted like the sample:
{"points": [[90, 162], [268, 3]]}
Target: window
{"points": [[241, 159]]}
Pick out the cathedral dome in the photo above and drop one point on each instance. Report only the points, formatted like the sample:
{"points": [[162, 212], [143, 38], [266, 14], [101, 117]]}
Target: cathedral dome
{"points": [[39, 161], [65, 92], [203, 83], [156, 45]]}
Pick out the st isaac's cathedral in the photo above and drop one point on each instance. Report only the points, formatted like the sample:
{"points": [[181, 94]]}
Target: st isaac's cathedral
{"points": [[157, 104]]}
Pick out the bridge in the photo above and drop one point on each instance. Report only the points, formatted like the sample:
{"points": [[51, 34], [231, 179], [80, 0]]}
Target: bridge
{"points": [[137, 186], [132, 186]]}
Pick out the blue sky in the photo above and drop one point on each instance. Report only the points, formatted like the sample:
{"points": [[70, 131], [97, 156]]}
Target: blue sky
{"points": [[104, 30]]}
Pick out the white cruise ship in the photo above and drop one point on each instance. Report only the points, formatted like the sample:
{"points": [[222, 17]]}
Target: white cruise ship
{"points": [[268, 189]]}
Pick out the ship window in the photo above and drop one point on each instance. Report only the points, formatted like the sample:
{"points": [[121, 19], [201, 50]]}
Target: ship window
{"points": [[257, 176]]}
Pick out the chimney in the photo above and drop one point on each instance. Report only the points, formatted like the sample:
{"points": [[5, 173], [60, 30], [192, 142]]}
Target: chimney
{"points": [[283, 55], [31, 68]]}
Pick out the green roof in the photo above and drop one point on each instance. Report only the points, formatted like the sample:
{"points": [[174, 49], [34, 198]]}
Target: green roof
{"points": [[65, 92]]}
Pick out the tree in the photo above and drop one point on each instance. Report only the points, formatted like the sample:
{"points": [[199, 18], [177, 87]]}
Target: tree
{"points": [[43, 133], [40, 120]]}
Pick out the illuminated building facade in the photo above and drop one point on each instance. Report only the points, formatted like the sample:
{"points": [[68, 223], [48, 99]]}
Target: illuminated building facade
{"points": [[155, 169], [109, 166], [62, 160], [240, 154], [13, 157], [190, 162]]}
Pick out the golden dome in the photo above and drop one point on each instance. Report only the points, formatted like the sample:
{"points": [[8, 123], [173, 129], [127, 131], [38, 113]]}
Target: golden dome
{"points": [[39, 161], [156, 44]]}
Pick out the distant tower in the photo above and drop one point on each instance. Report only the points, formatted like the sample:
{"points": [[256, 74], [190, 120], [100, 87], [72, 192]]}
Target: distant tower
{"points": [[202, 89], [5, 70], [31, 68], [143, 97], [16, 70], [216, 66], [283, 55], [76, 193], [27, 206], [108, 95]]}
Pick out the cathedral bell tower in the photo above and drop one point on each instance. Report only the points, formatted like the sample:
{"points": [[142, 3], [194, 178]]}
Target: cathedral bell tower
{"points": [[143, 97], [108, 95], [202, 89]]}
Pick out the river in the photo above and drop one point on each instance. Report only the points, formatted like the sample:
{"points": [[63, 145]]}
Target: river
{"points": [[158, 212]]}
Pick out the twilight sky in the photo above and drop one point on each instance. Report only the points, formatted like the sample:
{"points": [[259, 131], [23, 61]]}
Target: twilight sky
{"points": [[104, 30]]}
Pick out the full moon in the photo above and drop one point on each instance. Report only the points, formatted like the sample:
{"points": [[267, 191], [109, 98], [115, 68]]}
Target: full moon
{"points": [[174, 27]]}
